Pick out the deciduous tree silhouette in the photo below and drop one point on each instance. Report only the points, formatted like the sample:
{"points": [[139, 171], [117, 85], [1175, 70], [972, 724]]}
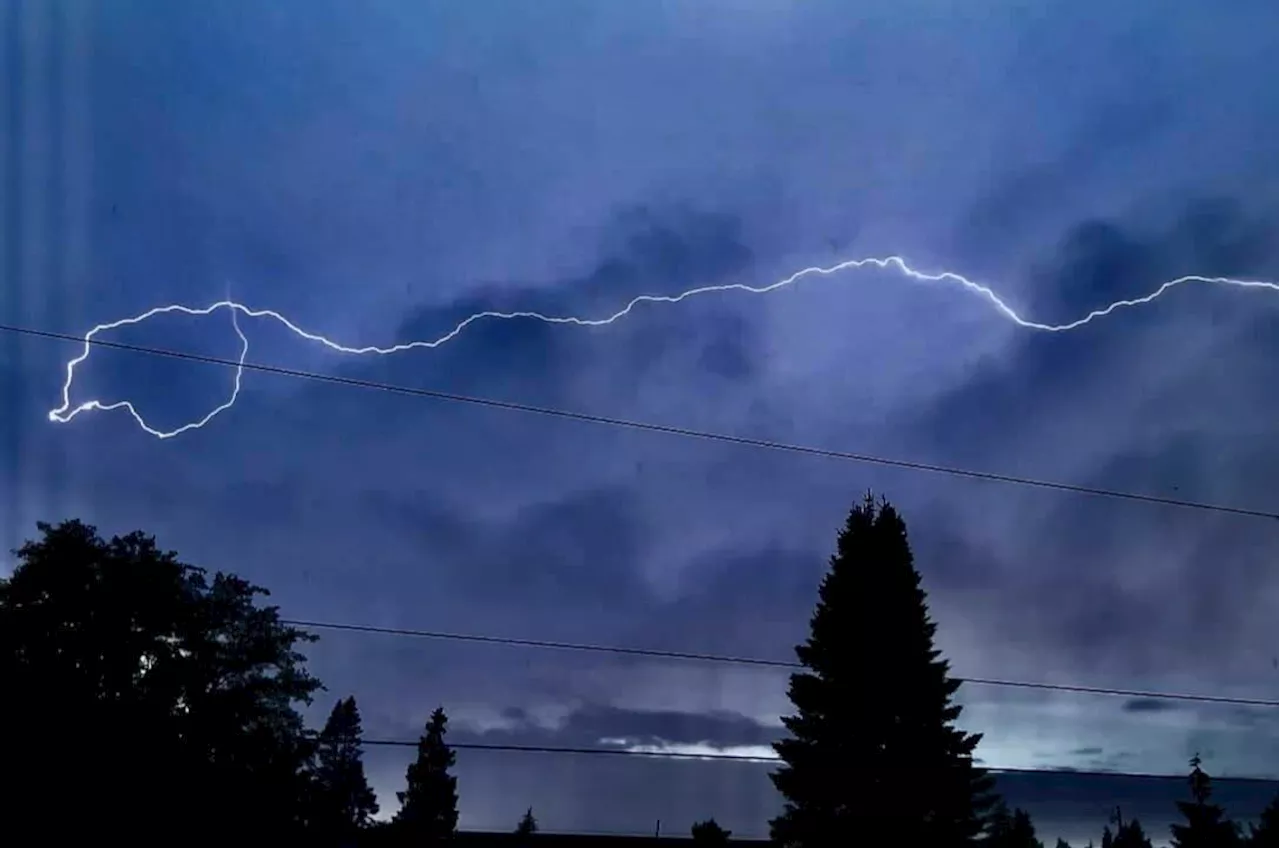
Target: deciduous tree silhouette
{"points": [[154, 686], [873, 751], [710, 833], [343, 802], [429, 803], [1264, 832], [1206, 826]]}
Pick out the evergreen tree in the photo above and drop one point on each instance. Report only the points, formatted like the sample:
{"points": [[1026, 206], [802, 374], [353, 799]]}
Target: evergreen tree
{"points": [[429, 803], [1062, 843], [528, 825], [343, 802], [1108, 841], [1206, 826], [1264, 832], [709, 833], [1130, 835], [1011, 830], [872, 749]]}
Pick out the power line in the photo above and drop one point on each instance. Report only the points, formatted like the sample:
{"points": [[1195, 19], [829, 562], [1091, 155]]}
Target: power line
{"points": [[757, 661], [748, 758], [651, 427]]}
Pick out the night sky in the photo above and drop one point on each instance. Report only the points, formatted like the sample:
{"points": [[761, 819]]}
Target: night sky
{"points": [[380, 170]]}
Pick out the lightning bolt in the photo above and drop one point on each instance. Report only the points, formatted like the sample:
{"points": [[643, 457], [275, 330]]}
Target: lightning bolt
{"points": [[66, 412]]}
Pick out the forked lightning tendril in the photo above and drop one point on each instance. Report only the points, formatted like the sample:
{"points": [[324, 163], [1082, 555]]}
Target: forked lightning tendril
{"points": [[66, 412]]}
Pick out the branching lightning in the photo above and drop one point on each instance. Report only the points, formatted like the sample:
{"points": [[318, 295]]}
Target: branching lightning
{"points": [[66, 412]]}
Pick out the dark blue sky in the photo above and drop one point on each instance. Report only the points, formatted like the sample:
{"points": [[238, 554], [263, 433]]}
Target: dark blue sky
{"points": [[378, 171]]}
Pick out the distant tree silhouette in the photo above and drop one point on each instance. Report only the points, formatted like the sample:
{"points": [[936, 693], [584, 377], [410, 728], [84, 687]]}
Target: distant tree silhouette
{"points": [[147, 685], [343, 802], [710, 833], [1062, 843], [1264, 832], [1011, 830], [1130, 835], [1206, 826], [429, 803], [872, 747], [528, 825]]}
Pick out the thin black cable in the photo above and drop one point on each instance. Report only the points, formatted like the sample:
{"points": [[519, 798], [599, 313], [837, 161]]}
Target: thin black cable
{"points": [[747, 758], [756, 661], [651, 427]]}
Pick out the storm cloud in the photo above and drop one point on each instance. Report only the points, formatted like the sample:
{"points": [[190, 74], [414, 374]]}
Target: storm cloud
{"points": [[380, 175]]}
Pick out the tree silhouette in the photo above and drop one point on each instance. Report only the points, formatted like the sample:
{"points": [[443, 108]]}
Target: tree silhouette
{"points": [[528, 825], [429, 803], [343, 802], [155, 685], [709, 833], [1011, 830], [1062, 843], [1130, 835], [1264, 832], [872, 746], [1206, 825]]}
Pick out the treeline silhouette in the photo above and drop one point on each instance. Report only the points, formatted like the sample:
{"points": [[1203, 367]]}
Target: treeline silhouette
{"points": [[148, 702]]}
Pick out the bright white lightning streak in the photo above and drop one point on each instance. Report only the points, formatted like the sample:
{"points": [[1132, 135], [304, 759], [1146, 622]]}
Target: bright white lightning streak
{"points": [[66, 412]]}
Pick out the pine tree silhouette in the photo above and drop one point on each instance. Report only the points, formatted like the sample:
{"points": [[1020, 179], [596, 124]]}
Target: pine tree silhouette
{"points": [[429, 803], [1007, 829], [872, 748], [344, 802], [528, 825], [1130, 835], [1206, 825], [1264, 832]]}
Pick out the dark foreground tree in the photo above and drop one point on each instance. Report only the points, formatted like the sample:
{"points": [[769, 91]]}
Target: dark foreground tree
{"points": [[1207, 825], [1130, 835], [1011, 829], [1264, 832], [344, 804], [873, 752], [143, 700], [528, 825], [710, 833], [429, 803]]}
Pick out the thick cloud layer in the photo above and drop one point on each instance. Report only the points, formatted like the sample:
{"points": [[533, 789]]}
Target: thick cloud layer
{"points": [[381, 176]]}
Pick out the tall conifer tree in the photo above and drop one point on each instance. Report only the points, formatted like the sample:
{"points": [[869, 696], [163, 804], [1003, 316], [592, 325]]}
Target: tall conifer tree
{"points": [[873, 752]]}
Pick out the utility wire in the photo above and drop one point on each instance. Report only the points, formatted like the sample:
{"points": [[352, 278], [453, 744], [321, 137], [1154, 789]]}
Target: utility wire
{"points": [[747, 758], [756, 661], [651, 427]]}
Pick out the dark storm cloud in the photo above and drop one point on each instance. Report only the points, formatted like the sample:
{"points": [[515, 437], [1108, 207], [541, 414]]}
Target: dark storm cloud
{"points": [[1162, 404], [751, 603], [1149, 705], [1005, 212], [609, 726], [646, 251], [583, 549], [397, 169], [1100, 262]]}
